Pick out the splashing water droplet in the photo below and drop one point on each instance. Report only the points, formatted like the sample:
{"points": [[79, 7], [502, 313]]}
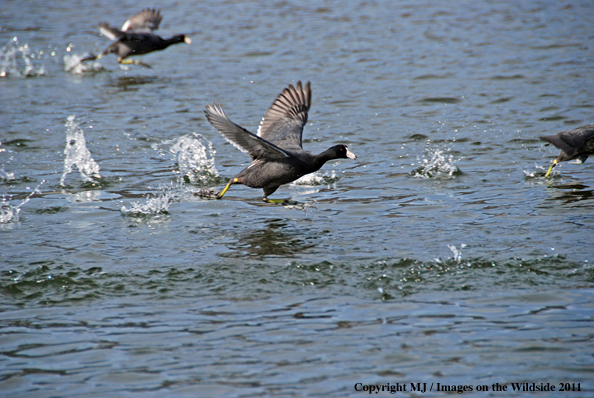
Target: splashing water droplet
{"points": [[9, 213], [73, 64], [77, 154], [439, 166], [195, 158], [17, 61], [457, 252], [317, 178], [155, 204]]}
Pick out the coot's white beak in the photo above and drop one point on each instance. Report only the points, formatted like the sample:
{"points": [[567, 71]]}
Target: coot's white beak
{"points": [[350, 154], [187, 40]]}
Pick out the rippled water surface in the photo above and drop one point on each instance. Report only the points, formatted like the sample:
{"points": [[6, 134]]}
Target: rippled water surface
{"points": [[440, 255]]}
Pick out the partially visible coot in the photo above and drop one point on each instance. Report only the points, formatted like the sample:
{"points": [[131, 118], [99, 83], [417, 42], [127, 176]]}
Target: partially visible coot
{"points": [[574, 144], [277, 154], [136, 37]]}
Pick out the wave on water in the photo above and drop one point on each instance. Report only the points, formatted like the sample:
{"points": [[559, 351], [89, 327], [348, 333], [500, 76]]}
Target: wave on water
{"points": [[77, 154], [20, 60], [195, 158], [437, 166]]}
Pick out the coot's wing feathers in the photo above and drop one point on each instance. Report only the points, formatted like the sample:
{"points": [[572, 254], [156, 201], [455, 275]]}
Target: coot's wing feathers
{"points": [[144, 22], [109, 32], [559, 143], [242, 139], [283, 122], [580, 140]]}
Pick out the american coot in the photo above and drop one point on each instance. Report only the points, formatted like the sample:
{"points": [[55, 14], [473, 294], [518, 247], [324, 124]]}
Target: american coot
{"points": [[136, 37], [574, 144], [277, 155]]}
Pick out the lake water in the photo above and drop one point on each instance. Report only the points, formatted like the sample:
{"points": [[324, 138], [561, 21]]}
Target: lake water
{"points": [[441, 255]]}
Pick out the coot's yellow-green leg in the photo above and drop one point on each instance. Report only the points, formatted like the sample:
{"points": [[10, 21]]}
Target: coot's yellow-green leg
{"points": [[284, 202], [274, 200], [551, 168], [231, 182], [134, 62]]}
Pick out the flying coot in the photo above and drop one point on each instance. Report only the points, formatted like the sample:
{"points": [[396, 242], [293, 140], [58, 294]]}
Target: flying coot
{"points": [[277, 154], [137, 38]]}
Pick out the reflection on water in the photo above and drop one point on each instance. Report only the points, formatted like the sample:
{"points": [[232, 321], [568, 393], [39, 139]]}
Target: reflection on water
{"points": [[133, 83], [277, 239], [572, 193]]}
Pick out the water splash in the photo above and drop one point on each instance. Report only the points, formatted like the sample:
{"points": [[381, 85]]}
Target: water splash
{"points": [[9, 213], [18, 60], [77, 154], [73, 64], [6, 176], [156, 203], [457, 252], [538, 172], [439, 166], [195, 158], [317, 178]]}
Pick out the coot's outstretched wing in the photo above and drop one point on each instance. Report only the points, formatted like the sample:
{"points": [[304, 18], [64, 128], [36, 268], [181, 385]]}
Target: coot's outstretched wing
{"points": [[109, 32], [242, 139], [144, 22], [574, 142], [283, 123]]}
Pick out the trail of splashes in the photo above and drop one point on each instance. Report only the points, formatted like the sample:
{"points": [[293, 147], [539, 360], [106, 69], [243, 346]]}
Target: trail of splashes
{"points": [[439, 166], [195, 158], [9, 213], [77, 154], [17, 60]]}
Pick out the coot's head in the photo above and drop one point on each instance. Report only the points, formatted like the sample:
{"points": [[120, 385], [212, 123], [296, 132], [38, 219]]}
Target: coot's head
{"points": [[182, 39], [342, 152]]}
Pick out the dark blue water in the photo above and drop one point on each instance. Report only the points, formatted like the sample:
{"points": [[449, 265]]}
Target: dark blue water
{"points": [[440, 255]]}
